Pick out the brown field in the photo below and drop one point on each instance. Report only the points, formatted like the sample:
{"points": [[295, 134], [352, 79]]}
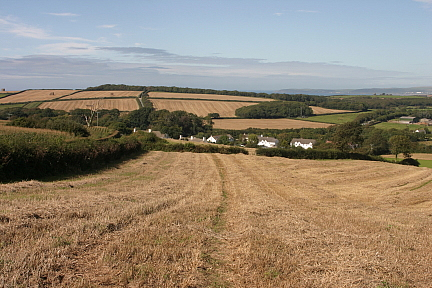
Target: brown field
{"points": [[319, 110], [35, 95], [103, 94], [205, 96], [212, 220], [200, 108], [128, 104], [239, 124]]}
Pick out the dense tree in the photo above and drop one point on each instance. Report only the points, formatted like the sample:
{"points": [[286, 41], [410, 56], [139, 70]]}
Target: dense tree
{"points": [[400, 144], [376, 143], [140, 118], [252, 141], [348, 136], [274, 109]]}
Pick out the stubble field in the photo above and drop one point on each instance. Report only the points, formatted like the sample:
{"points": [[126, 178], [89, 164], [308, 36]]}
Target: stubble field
{"points": [[206, 97], [35, 95], [200, 108], [212, 220], [128, 104], [103, 94]]}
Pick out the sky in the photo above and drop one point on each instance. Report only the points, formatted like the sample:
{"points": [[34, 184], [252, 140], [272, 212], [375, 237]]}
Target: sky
{"points": [[246, 45]]}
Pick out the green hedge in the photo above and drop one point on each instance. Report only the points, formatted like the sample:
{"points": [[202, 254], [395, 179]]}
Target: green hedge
{"points": [[301, 153], [32, 155]]}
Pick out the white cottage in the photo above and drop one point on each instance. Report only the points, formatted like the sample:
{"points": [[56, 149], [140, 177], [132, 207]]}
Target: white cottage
{"points": [[304, 143], [268, 142]]}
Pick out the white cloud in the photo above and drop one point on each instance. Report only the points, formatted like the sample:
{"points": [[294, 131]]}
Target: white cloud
{"points": [[68, 48], [63, 14], [424, 1], [108, 26], [307, 11], [23, 30], [278, 14]]}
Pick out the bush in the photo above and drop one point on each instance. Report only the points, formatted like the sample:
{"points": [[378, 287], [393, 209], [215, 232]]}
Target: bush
{"points": [[410, 161]]}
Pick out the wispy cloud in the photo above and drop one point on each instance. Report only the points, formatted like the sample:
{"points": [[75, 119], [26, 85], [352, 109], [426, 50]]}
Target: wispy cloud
{"points": [[108, 26], [63, 14], [23, 30], [424, 1], [20, 29], [307, 11]]}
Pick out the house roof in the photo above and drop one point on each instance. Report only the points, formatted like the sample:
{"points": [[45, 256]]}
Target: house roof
{"points": [[304, 141], [268, 139]]}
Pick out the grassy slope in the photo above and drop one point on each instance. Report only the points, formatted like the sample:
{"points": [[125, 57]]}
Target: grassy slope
{"points": [[333, 118]]}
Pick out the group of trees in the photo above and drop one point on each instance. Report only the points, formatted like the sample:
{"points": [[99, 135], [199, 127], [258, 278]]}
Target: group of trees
{"points": [[274, 109]]}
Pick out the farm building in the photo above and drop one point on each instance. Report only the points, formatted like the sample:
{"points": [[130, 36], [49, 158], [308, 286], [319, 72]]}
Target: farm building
{"points": [[304, 143], [268, 142], [408, 120]]}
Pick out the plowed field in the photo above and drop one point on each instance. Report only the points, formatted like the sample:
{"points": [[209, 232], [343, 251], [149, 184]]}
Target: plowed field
{"points": [[205, 96], [212, 220], [200, 108], [239, 124], [103, 94], [35, 95], [128, 104]]}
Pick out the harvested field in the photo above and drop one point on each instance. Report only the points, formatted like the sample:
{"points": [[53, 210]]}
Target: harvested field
{"points": [[205, 96], [212, 220], [103, 94], [35, 95], [200, 108], [319, 110], [128, 104], [239, 124]]}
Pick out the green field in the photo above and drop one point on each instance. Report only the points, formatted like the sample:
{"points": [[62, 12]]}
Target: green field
{"points": [[390, 125], [4, 95], [333, 118], [5, 106], [32, 104]]}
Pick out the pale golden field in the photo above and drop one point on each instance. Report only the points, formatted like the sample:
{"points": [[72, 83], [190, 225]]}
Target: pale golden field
{"points": [[239, 124], [200, 108], [319, 110], [128, 104], [205, 96], [212, 220], [103, 94], [35, 95]]}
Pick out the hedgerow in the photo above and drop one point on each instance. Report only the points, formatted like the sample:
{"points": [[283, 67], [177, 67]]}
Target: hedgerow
{"points": [[33, 155]]}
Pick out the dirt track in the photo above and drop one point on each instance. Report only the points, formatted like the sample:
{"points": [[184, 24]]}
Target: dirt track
{"points": [[212, 220]]}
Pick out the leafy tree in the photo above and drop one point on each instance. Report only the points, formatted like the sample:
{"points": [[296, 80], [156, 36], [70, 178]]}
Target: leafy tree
{"points": [[347, 136], [376, 143], [252, 141], [224, 139], [400, 144], [140, 118]]}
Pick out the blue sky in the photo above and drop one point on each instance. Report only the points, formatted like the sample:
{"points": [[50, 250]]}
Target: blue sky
{"points": [[237, 44]]}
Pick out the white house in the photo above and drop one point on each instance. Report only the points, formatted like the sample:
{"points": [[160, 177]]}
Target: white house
{"points": [[304, 143], [214, 139], [268, 142]]}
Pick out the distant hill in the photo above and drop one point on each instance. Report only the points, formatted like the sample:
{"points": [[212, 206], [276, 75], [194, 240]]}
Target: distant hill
{"points": [[366, 91]]}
